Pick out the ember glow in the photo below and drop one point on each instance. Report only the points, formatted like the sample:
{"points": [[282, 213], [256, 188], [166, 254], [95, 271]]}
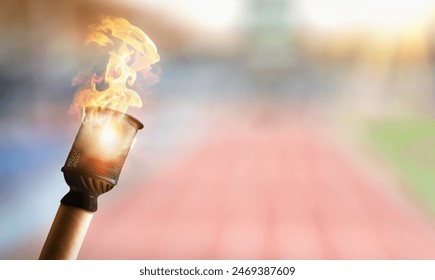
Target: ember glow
{"points": [[130, 51], [107, 138]]}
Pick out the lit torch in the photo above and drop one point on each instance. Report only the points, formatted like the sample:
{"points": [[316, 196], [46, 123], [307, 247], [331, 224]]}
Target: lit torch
{"points": [[106, 134]]}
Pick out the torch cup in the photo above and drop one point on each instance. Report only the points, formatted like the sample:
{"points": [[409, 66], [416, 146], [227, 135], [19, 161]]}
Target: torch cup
{"points": [[92, 168]]}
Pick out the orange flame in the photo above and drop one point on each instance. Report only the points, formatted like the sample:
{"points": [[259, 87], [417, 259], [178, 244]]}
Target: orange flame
{"points": [[131, 51]]}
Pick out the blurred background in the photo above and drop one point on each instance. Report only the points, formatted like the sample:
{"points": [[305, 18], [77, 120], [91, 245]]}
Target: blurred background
{"points": [[279, 129]]}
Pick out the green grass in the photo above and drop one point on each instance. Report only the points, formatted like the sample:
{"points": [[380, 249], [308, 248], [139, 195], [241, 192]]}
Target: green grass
{"points": [[410, 146]]}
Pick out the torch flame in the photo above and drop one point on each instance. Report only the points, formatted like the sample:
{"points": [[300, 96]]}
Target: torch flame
{"points": [[131, 51]]}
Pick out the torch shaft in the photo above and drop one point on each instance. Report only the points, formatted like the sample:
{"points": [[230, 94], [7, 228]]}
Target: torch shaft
{"points": [[66, 234]]}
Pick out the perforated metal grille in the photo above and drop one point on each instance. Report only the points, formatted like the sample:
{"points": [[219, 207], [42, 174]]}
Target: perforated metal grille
{"points": [[103, 142]]}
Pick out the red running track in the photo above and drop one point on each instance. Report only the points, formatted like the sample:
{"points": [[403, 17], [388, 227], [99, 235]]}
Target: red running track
{"points": [[276, 188]]}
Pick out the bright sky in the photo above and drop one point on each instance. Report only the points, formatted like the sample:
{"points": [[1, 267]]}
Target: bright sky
{"points": [[377, 15], [380, 15], [208, 14]]}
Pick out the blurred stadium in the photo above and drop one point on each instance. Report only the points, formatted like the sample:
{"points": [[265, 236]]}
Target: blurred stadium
{"points": [[278, 130]]}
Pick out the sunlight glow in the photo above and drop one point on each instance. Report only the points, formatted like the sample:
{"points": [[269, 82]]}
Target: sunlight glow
{"points": [[379, 16]]}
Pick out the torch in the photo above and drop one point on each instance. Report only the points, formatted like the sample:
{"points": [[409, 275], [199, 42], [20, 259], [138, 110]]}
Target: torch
{"points": [[105, 136], [92, 168]]}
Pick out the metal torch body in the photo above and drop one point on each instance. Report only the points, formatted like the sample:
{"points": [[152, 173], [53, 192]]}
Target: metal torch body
{"points": [[92, 168]]}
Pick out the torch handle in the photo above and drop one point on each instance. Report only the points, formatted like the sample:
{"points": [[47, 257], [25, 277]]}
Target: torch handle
{"points": [[66, 234]]}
